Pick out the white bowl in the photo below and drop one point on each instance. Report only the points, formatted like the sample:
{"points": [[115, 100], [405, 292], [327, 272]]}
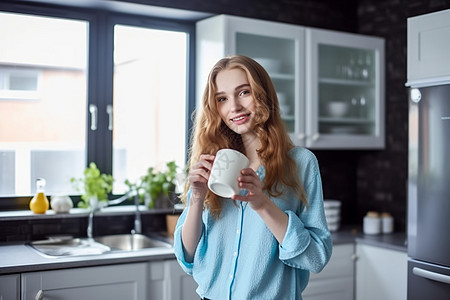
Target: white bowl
{"points": [[331, 204], [333, 212], [333, 227], [270, 64], [333, 219], [337, 109]]}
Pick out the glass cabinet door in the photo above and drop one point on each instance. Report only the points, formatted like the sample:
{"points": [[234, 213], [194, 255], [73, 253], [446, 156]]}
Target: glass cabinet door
{"points": [[277, 56], [346, 91], [279, 48]]}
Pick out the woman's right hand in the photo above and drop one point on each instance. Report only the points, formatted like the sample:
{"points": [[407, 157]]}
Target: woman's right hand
{"points": [[198, 177]]}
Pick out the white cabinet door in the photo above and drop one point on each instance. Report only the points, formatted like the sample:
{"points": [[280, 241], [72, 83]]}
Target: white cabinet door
{"points": [[380, 273], [10, 287], [278, 47], [345, 90], [115, 282], [180, 285], [157, 281], [428, 49], [335, 282]]}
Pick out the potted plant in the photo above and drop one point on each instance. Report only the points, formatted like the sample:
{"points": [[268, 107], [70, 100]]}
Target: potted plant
{"points": [[160, 185], [94, 187], [158, 189]]}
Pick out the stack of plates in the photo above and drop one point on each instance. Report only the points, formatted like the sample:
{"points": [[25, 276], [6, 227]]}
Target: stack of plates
{"points": [[332, 213]]}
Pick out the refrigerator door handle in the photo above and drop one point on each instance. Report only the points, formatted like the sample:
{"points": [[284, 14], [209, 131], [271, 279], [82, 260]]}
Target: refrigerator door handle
{"points": [[431, 275]]}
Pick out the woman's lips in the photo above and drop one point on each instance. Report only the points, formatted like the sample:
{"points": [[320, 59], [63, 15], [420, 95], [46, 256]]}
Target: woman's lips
{"points": [[241, 119]]}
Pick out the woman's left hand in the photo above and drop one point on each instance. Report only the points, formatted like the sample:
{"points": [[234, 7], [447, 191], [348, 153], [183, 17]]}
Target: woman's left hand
{"points": [[250, 181]]}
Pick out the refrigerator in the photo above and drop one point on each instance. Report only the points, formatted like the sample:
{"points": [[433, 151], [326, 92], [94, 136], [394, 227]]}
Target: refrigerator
{"points": [[429, 193]]}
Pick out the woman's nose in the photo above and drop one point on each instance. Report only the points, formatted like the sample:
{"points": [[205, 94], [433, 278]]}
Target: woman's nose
{"points": [[235, 104]]}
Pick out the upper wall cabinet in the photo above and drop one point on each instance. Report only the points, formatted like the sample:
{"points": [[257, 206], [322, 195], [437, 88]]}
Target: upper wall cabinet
{"points": [[279, 48], [428, 49], [345, 90], [329, 98]]}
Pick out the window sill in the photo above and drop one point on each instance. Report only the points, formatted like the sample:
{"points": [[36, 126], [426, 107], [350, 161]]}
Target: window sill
{"points": [[79, 212]]}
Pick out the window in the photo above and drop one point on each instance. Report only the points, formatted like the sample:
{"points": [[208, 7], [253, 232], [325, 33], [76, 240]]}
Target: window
{"points": [[82, 86], [19, 83], [43, 59], [149, 100]]}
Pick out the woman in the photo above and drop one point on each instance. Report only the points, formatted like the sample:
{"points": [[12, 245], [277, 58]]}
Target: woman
{"points": [[262, 243]]}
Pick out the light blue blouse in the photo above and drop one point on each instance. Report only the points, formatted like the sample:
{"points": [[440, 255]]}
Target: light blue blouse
{"points": [[238, 257]]}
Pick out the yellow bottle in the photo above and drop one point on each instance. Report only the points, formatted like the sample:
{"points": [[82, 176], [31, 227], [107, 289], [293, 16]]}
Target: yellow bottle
{"points": [[39, 204]]}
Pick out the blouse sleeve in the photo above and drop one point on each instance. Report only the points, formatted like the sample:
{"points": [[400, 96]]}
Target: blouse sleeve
{"points": [[178, 243], [307, 243]]}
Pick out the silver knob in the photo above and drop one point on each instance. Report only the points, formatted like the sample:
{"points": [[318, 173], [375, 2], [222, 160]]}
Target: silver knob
{"points": [[415, 95]]}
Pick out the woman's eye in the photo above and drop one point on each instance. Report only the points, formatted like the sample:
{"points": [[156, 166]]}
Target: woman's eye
{"points": [[244, 92], [221, 99]]}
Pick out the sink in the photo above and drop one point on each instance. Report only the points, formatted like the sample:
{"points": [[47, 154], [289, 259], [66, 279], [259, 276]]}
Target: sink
{"points": [[130, 242], [69, 247], [63, 247]]}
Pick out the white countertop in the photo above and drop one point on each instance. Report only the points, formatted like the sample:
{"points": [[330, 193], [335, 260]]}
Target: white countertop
{"points": [[22, 258]]}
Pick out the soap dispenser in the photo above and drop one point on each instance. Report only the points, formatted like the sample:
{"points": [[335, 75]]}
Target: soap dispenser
{"points": [[39, 203]]}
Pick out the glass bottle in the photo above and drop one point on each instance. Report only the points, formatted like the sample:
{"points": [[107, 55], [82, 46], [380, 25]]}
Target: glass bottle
{"points": [[39, 203]]}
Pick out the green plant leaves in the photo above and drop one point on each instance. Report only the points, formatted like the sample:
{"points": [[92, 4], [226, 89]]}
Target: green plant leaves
{"points": [[93, 184]]}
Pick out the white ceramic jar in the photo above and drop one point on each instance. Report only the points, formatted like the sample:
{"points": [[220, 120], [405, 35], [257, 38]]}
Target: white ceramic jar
{"points": [[372, 223], [387, 223], [61, 203]]}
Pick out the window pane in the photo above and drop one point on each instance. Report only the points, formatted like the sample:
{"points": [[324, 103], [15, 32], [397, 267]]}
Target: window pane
{"points": [[43, 63], [149, 101]]}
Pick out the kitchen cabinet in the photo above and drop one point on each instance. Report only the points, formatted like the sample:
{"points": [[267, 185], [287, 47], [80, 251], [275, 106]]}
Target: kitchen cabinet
{"points": [[345, 90], [380, 273], [167, 281], [153, 280], [336, 281], [307, 67], [428, 49], [278, 47], [156, 283], [10, 287], [126, 281], [181, 285]]}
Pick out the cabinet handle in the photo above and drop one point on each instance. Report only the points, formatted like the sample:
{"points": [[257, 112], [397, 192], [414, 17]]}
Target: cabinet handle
{"points": [[431, 275], [39, 295], [301, 136], [109, 111], [315, 136], [354, 257], [93, 111]]}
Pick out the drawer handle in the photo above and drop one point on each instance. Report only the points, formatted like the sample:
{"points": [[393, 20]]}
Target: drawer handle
{"points": [[431, 275], [39, 295]]}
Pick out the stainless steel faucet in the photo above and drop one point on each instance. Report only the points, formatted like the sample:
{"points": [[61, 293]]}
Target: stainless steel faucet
{"points": [[98, 205]]}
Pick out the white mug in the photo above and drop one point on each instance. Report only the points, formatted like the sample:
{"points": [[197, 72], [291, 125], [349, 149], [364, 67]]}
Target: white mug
{"points": [[226, 169]]}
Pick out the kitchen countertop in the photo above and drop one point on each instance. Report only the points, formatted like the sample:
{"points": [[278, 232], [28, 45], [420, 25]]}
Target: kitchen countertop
{"points": [[394, 241], [18, 258], [22, 258]]}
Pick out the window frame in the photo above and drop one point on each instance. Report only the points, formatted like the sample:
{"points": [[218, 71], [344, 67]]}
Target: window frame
{"points": [[101, 71]]}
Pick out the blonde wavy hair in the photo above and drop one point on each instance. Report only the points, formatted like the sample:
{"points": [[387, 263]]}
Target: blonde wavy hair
{"points": [[211, 134]]}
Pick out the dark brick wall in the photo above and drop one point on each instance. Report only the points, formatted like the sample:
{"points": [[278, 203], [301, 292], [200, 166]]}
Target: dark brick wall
{"points": [[41, 227], [331, 14]]}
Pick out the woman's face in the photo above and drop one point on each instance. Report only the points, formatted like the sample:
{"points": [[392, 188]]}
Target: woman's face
{"points": [[235, 101]]}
